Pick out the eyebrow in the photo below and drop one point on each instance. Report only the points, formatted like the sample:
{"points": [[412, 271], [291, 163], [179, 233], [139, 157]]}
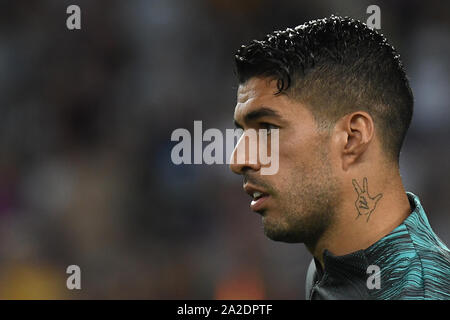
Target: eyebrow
{"points": [[258, 113]]}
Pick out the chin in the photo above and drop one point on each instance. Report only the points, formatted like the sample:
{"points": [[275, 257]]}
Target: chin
{"points": [[278, 232]]}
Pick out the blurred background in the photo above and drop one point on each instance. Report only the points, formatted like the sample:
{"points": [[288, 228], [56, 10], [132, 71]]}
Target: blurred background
{"points": [[86, 117]]}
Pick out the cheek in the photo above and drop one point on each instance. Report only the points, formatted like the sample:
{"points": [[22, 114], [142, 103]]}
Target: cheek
{"points": [[299, 157], [295, 150], [292, 164]]}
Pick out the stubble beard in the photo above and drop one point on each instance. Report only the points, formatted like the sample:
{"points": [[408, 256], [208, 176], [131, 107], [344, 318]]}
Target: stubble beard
{"points": [[306, 210]]}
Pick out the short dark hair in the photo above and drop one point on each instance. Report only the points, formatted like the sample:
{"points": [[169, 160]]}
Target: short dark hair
{"points": [[336, 65]]}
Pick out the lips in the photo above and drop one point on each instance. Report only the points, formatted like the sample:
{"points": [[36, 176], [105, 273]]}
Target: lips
{"points": [[258, 195]]}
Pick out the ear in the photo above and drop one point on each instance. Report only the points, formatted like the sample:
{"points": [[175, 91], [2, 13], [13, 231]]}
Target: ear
{"points": [[356, 131]]}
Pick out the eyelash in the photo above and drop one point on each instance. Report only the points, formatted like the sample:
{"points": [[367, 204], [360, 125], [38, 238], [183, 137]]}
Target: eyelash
{"points": [[268, 126]]}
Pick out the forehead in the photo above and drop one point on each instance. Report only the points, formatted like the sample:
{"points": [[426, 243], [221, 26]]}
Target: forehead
{"points": [[256, 88], [261, 92]]}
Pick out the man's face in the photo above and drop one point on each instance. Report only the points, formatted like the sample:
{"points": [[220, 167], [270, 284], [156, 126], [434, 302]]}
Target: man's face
{"points": [[298, 201]]}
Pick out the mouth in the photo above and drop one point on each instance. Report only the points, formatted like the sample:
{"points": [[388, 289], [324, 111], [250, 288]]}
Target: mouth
{"points": [[259, 197]]}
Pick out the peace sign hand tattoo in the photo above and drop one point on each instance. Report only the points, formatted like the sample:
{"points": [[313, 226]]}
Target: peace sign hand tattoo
{"points": [[365, 204]]}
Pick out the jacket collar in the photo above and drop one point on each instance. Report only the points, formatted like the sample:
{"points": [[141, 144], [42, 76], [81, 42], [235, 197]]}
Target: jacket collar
{"points": [[356, 263]]}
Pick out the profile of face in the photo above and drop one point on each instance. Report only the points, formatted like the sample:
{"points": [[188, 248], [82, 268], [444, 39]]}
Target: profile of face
{"points": [[298, 202]]}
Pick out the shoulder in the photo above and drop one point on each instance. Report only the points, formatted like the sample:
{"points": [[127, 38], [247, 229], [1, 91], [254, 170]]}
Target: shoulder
{"points": [[433, 258], [414, 263]]}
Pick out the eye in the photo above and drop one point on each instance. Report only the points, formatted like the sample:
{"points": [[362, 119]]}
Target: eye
{"points": [[268, 126]]}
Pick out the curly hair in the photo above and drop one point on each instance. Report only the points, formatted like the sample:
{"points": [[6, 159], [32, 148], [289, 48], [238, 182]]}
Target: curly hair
{"points": [[335, 66]]}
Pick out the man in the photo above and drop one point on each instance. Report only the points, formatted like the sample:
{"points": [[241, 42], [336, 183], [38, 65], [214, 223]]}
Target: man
{"points": [[337, 93]]}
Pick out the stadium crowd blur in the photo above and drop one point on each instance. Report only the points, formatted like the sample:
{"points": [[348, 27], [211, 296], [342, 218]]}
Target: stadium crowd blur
{"points": [[86, 118]]}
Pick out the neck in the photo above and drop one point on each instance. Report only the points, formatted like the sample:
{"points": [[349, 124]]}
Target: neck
{"points": [[356, 225]]}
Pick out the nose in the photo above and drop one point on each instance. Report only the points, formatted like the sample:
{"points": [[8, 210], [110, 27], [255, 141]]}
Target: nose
{"points": [[245, 154]]}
